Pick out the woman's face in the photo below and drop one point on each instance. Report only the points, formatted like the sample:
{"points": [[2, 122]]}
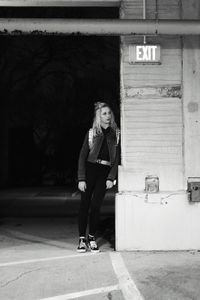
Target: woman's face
{"points": [[105, 116]]}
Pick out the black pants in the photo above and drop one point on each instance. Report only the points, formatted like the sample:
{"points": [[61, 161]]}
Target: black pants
{"points": [[92, 198]]}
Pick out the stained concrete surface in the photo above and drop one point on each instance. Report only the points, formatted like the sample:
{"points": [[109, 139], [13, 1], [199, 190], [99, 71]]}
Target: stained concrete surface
{"points": [[58, 277], [166, 275], [25, 243], [38, 258], [114, 295]]}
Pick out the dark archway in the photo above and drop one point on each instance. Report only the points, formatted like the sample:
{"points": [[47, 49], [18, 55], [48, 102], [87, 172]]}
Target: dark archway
{"points": [[48, 87]]}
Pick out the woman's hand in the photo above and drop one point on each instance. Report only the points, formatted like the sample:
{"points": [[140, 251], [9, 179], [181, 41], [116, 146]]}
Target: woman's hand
{"points": [[82, 186], [109, 184]]}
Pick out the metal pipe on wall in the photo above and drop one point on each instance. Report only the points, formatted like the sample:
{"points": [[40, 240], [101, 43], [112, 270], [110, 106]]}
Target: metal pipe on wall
{"points": [[144, 17], [99, 27], [59, 3], [144, 10]]}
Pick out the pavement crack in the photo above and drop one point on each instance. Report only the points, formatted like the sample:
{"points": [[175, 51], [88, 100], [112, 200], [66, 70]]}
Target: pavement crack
{"points": [[18, 277]]}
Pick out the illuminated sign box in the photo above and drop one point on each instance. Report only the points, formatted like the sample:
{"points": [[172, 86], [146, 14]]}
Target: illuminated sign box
{"points": [[145, 54]]}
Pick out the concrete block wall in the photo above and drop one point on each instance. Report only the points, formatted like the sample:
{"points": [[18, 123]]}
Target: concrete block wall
{"points": [[160, 124], [152, 120]]}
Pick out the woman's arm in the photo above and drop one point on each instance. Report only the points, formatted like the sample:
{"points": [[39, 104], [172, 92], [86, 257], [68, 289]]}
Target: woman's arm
{"points": [[113, 171], [82, 159]]}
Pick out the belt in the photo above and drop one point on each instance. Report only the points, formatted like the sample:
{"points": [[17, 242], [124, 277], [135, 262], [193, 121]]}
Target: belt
{"points": [[103, 162]]}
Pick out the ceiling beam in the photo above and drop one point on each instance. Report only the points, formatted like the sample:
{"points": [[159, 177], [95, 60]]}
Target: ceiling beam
{"points": [[99, 27], [59, 3]]}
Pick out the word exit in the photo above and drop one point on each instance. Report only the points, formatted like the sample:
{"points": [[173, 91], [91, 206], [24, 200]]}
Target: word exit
{"points": [[144, 53]]}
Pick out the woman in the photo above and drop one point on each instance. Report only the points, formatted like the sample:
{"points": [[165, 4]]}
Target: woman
{"points": [[97, 168]]}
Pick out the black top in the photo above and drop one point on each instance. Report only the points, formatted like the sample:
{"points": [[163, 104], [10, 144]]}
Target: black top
{"points": [[104, 152]]}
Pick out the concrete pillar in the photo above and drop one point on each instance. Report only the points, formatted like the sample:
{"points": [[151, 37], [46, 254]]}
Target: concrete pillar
{"points": [[165, 220], [191, 93]]}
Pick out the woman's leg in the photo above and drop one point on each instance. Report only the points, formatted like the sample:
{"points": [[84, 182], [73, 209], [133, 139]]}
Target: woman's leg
{"points": [[86, 199], [97, 199]]}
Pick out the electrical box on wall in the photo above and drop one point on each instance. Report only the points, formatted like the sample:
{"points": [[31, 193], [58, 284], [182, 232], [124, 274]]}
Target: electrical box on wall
{"points": [[194, 189], [151, 184]]}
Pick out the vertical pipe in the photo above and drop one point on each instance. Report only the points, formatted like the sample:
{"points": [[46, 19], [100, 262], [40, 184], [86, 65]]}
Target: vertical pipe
{"points": [[144, 9], [156, 12], [144, 17]]}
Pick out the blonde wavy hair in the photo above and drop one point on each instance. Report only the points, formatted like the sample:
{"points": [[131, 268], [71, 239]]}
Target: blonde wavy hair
{"points": [[97, 118]]}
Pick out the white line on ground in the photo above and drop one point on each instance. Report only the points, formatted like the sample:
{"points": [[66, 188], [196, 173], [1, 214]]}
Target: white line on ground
{"points": [[29, 261], [126, 284], [75, 295]]}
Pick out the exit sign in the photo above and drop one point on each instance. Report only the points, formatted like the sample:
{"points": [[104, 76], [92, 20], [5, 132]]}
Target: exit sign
{"points": [[144, 54]]}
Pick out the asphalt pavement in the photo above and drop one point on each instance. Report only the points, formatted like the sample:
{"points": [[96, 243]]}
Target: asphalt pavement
{"points": [[46, 202], [38, 258]]}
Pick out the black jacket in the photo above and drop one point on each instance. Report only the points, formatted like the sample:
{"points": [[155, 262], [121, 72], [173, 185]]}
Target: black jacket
{"points": [[91, 155]]}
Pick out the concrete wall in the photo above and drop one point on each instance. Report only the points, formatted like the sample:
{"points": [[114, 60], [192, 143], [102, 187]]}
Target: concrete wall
{"points": [[191, 94], [191, 106], [160, 122], [164, 221], [152, 124]]}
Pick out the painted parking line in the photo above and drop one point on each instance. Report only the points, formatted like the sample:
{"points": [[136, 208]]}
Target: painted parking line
{"points": [[29, 261], [126, 284], [75, 295]]}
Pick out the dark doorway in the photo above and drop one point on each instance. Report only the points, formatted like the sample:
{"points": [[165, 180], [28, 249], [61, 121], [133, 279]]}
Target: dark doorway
{"points": [[48, 87]]}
